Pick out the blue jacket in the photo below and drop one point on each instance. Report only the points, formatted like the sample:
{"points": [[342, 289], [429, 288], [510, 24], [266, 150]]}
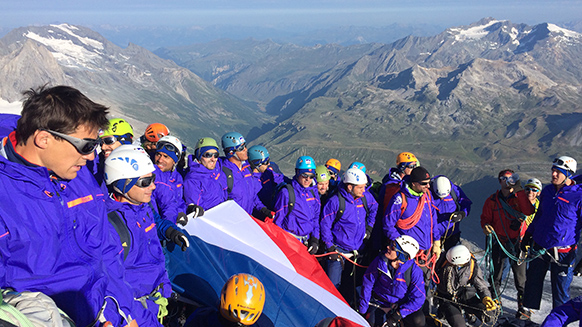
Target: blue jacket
{"points": [[168, 195], [204, 187], [245, 187], [390, 286], [559, 217], [565, 314], [348, 233], [145, 267], [425, 231], [447, 206], [269, 181], [304, 219], [55, 239]]}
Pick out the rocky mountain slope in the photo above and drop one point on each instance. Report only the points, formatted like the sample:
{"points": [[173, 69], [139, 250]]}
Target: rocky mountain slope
{"points": [[134, 82]]}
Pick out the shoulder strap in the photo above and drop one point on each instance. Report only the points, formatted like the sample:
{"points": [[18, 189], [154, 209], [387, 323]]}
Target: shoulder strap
{"points": [[291, 205], [122, 230], [408, 275], [365, 203], [340, 211], [455, 198], [404, 204], [229, 180]]}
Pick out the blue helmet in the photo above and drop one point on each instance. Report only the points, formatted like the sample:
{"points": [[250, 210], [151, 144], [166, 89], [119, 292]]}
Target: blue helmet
{"points": [[258, 155], [305, 162], [358, 165], [233, 141]]}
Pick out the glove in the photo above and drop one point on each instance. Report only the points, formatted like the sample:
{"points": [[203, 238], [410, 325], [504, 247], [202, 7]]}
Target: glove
{"points": [[489, 303], [182, 219], [526, 242], [488, 229], [196, 209], [312, 245], [368, 232], [457, 216], [266, 212], [178, 238], [393, 320], [436, 248], [335, 255]]}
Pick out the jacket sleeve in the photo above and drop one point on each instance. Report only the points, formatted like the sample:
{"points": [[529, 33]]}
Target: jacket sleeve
{"points": [[316, 212], [162, 225], [416, 294], [525, 205], [439, 229], [393, 213], [487, 213], [373, 207], [367, 285], [327, 217], [168, 204], [281, 206], [479, 282], [193, 191], [464, 201], [564, 314]]}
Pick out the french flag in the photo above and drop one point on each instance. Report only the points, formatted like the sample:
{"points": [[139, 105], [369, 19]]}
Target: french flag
{"points": [[227, 241]]}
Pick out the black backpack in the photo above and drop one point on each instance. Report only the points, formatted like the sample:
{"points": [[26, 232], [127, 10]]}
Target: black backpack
{"points": [[122, 230]]}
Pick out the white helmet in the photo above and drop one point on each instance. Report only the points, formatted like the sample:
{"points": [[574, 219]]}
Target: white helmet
{"points": [[458, 255], [171, 146], [355, 176], [127, 162], [565, 163], [441, 186], [534, 182], [407, 244]]}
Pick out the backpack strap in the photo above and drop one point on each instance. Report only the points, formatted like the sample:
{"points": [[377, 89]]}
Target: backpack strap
{"points": [[340, 211], [291, 205], [455, 198], [229, 180], [122, 230], [365, 203]]}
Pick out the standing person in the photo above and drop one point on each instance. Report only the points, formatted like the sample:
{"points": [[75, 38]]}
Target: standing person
{"points": [[452, 206], [322, 177], [153, 133], [203, 184], [297, 205], [242, 187], [346, 222], [504, 213], [260, 165], [54, 233], [362, 167], [392, 292], [334, 166], [129, 173], [555, 228], [461, 280], [532, 188]]}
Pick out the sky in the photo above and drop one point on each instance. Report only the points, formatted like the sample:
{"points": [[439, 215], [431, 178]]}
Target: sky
{"points": [[282, 13]]}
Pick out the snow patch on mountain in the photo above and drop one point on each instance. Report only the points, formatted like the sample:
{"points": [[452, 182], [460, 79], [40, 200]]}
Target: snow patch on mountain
{"points": [[567, 33], [472, 33]]}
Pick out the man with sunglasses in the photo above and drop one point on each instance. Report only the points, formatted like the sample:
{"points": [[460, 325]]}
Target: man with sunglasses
{"points": [[504, 212], [130, 175], [204, 184], [54, 233], [242, 187], [392, 291], [556, 228], [297, 205], [269, 179]]}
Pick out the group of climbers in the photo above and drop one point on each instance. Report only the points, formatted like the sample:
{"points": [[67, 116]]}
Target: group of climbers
{"points": [[135, 192]]}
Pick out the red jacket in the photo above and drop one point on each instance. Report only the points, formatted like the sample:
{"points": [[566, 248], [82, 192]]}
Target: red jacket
{"points": [[493, 213]]}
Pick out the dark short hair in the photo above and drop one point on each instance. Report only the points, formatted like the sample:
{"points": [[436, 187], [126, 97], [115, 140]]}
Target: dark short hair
{"points": [[61, 108], [504, 172]]}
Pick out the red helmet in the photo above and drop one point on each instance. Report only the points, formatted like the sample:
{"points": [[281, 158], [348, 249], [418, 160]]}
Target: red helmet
{"points": [[154, 132]]}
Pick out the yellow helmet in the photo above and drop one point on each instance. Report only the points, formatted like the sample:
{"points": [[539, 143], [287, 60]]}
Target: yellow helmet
{"points": [[334, 165], [406, 157], [242, 299], [117, 127]]}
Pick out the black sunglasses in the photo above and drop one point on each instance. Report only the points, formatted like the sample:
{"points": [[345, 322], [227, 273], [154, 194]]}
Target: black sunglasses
{"points": [[308, 176], [108, 140], [259, 163], [240, 147], [146, 181], [424, 183], [208, 155], [83, 146]]}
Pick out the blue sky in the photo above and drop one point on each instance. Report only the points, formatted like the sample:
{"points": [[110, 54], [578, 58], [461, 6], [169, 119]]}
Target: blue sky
{"points": [[314, 13]]}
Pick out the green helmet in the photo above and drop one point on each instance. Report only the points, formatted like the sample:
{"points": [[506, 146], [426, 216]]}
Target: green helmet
{"points": [[322, 173], [117, 127], [204, 144]]}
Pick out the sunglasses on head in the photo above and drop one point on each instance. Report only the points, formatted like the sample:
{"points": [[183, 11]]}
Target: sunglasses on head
{"points": [[208, 155], [168, 146], [558, 161], [396, 249], [146, 181], [531, 189], [308, 176], [83, 146]]}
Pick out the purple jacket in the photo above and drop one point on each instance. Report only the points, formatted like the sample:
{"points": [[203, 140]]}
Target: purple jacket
{"points": [[145, 267], [425, 231], [55, 238], [204, 187], [245, 186], [565, 314], [447, 206], [348, 233], [304, 218], [391, 288], [269, 181], [559, 217], [168, 195]]}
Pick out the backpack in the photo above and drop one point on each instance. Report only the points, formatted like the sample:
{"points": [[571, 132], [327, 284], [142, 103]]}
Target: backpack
{"points": [[342, 208], [375, 190], [122, 230], [229, 180]]}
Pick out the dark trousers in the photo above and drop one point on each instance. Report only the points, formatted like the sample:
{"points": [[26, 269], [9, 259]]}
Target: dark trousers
{"points": [[377, 317], [519, 272], [452, 312]]}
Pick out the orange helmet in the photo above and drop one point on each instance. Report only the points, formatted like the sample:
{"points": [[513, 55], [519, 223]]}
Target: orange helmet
{"points": [[154, 132], [242, 299], [334, 165], [406, 157]]}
